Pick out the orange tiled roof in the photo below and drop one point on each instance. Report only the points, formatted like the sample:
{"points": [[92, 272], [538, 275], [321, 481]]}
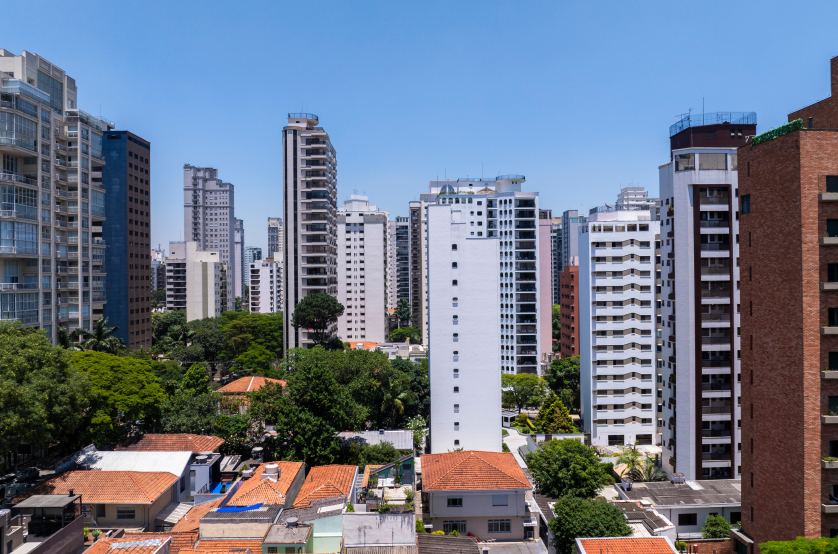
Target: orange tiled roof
{"points": [[248, 384], [325, 482], [108, 487], [180, 541], [190, 521], [104, 546], [178, 442], [267, 491], [367, 344], [627, 545], [367, 471], [472, 470], [226, 545]]}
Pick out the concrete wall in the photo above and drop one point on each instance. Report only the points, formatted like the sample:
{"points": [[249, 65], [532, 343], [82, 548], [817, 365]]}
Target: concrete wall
{"points": [[478, 508]]}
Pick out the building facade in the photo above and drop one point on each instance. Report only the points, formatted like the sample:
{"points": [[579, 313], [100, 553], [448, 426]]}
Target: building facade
{"points": [[242, 271], [401, 263], [363, 276], [265, 286], [617, 327], [276, 237], [158, 258], [634, 198], [488, 229], [418, 266], [309, 181], [196, 281], [53, 251], [545, 292], [209, 219], [126, 177], [569, 299], [556, 256], [251, 254], [571, 220], [789, 389], [699, 296]]}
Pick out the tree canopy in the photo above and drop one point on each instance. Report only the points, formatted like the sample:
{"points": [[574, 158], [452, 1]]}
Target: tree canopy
{"points": [[563, 375], [567, 467], [584, 517], [801, 545], [554, 417], [402, 334], [557, 327], [317, 313], [522, 390], [715, 527]]}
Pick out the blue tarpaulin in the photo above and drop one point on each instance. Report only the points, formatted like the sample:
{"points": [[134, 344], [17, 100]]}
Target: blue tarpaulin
{"points": [[240, 508]]}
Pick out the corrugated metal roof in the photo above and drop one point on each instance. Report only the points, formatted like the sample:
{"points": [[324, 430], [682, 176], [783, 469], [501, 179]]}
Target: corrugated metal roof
{"points": [[401, 439], [173, 462]]}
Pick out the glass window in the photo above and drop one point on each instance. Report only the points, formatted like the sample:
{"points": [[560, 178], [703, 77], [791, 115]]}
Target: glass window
{"points": [[455, 501], [712, 161], [456, 525], [684, 162], [500, 500], [500, 526], [746, 203], [832, 183], [125, 513], [734, 162]]}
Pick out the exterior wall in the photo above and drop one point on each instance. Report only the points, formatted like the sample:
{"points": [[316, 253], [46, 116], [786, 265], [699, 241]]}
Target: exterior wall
{"points": [[571, 220], [251, 254], [545, 291], [363, 286], [194, 281], [418, 273], [477, 509], [571, 296], [401, 263], [242, 269], [618, 356], [237, 530], [145, 513], [556, 255], [209, 220], [265, 287], [824, 114], [276, 237], [698, 307], [309, 201], [126, 232]]}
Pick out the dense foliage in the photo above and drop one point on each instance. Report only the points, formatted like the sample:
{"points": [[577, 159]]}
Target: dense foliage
{"points": [[715, 527], [584, 517], [557, 327], [563, 378], [316, 313], [568, 467], [554, 417], [800, 546], [522, 390]]}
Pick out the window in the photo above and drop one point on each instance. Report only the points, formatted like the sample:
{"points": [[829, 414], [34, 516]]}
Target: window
{"points": [[456, 525], [687, 519], [833, 317], [456, 371], [456, 389], [712, 161], [453, 265], [833, 405], [746, 203], [453, 247], [125, 513], [100, 510], [500, 500], [182, 483], [832, 227], [832, 183], [454, 283], [684, 162], [500, 526], [455, 501]]}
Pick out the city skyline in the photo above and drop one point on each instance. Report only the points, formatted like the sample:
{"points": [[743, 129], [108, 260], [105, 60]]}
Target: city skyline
{"points": [[528, 63]]}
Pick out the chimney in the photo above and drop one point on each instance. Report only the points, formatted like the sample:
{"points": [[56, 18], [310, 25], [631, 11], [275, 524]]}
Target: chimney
{"points": [[71, 492], [833, 65]]}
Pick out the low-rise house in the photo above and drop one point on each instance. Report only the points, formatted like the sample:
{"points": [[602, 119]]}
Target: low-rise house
{"points": [[180, 541], [52, 524], [234, 393], [114, 499], [325, 515], [372, 533], [626, 545], [446, 544], [273, 483], [176, 463], [132, 545], [406, 351], [175, 442], [289, 537], [327, 482], [484, 494], [239, 522], [191, 520], [645, 521], [687, 504], [220, 546], [401, 472]]}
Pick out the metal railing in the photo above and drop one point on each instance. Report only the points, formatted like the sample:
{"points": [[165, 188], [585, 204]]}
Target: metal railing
{"points": [[715, 118], [303, 115], [713, 200], [715, 246], [715, 293], [716, 409], [17, 178], [715, 340]]}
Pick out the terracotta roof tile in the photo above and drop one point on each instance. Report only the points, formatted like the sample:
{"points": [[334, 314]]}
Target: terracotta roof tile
{"points": [[180, 541], [105, 546], [178, 442], [248, 384], [190, 521], [267, 491], [325, 482], [367, 471], [227, 545], [108, 487], [627, 545], [367, 345], [472, 470]]}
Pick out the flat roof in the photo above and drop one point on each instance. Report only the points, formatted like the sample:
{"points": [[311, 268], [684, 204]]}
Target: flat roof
{"points": [[47, 501], [129, 460], [692, 493], [282, 534]]}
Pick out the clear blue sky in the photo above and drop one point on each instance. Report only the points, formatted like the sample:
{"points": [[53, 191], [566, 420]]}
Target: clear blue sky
{"points": [[578, 97]]}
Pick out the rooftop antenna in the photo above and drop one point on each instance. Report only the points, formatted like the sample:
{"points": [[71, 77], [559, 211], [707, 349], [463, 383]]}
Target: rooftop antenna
{"points": [[702, 110]]}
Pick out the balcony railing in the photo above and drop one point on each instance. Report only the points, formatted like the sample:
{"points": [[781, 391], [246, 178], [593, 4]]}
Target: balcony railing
{"points": [[715, 386], [713, 222], [716, 409], [715, 340], [716, 246], [17, 178], [715, 270], [715, 456], [715, 293], [715, 317]]}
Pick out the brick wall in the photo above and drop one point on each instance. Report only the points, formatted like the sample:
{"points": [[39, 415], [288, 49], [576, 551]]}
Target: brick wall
{"points": [[824, 114], [782, 310], [569, 296]]}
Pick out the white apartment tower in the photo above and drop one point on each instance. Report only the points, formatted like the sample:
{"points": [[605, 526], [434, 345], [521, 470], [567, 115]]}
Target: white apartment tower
{"points": [[52, 254], [195, 281], [276, 237], [363, 276], [617, 326], [238, 253], [265, 287], [634, 198], [209, 219], [251, 254], [309, 188], [482, 243], [700, 296]]}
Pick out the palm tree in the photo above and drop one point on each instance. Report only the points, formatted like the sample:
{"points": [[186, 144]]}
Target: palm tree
{"points": [[67, 339], [395, 397], [101, 339], [633, 461], [403, 313], [653, 472]]}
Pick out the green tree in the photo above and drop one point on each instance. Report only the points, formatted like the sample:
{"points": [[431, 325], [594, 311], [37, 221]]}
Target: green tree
{"points": [[124, 391], [563, 374], [101, 338], [209, 336], [419, 384], [715, 527], [523, 389], [184, 413], [42, 397], [256, 358], [396, 394], [237, 434], [404, 333], [583, 517], [161, 323], [567, 467], [67, 339], [169, 373], [554, 417], [653, 472], [633, 460], [158, 298], [241, 330], [187, 353], [800, 545], [371, 454], [195, 381], [557, 327], [419, 426], [403, 313], [316, 313]]}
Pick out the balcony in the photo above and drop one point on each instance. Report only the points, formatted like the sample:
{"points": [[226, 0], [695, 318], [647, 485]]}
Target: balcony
{"points": [[717, 340], [715, 270], [713, 200], [715, 294], [18, 179], [722, 410], [715, 456], [715, 433], [713, 223], [715, 247]]}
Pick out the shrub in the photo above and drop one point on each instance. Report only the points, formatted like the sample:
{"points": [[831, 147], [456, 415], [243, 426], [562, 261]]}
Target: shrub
{"points": [[778, 132], [715, 527], [438, 533], [409, 494], [454, 533], [420, 526], [350, 508]]}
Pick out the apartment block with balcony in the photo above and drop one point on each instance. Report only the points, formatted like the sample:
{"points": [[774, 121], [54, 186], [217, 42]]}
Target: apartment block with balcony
{"points": [[401, 264], [617, 324], [209, 219], [52, 251], [251, 254], [700, 295], [242, 268], [309, 182], [556, 254], [570, 295], [196, 281], [265, 286], [276, 237], [419, 265], [363, 276], [571, 220], [126, 178]]}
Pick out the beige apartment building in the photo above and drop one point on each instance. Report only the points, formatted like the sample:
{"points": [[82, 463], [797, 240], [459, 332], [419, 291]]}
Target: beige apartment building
{"points": [[196, 281], [52, 199]]}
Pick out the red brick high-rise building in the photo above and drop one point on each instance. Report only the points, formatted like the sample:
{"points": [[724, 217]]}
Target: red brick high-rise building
{"points": [[788, 239], [569, 296]]}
